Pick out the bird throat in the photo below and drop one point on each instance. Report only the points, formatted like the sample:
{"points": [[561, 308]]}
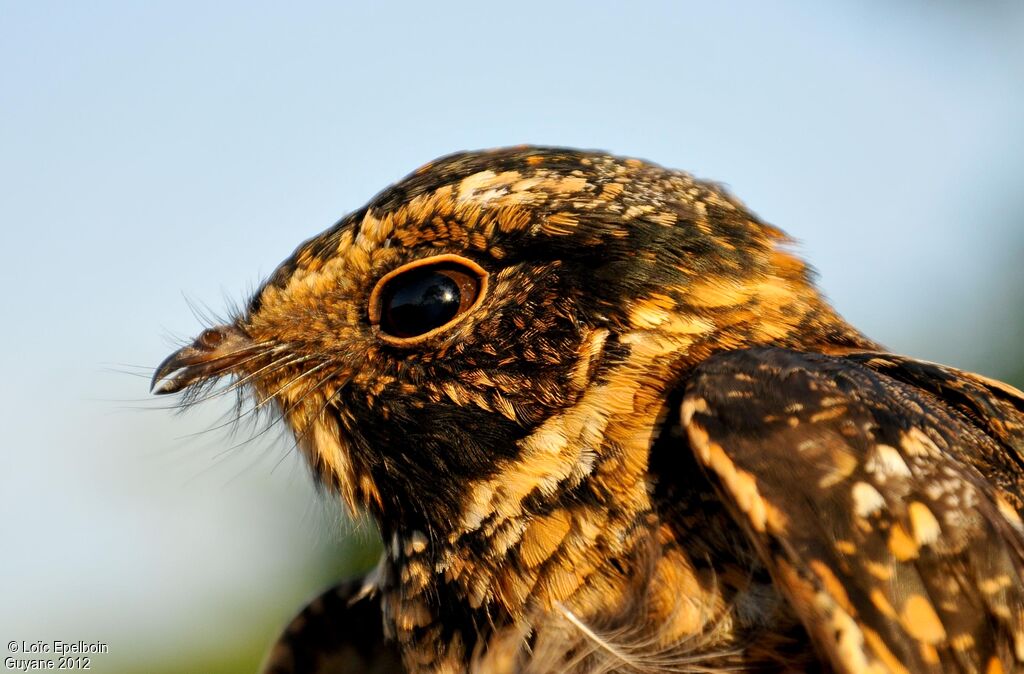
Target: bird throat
{"points": [[566, 532]]}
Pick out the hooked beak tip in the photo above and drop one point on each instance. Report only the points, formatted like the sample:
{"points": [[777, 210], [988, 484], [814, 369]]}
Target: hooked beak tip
{"points": [[164, 380]]}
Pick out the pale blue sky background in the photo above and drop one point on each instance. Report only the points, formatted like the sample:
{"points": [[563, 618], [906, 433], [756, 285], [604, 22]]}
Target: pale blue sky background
{"points": [[151, 150]]}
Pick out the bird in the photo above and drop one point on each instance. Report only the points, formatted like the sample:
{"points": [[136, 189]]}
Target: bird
{"points": [[605, 421]]}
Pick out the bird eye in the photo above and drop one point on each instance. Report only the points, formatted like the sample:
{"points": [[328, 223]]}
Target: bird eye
{"points": [[424, 296]]}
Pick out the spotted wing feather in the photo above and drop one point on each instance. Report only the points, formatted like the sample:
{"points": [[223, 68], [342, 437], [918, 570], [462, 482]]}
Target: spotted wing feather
{"points": [[995, 407], [880, 503]]}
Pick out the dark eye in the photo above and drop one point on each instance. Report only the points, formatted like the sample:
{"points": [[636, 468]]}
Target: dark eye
{"points": [[423, 296]]}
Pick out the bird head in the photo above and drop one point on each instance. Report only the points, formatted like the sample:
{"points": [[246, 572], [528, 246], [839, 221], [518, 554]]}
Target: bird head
{"points": [[493, 330]]}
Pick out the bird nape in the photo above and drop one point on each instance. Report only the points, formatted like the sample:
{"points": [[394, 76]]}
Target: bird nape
{"points": [[606, 422]]}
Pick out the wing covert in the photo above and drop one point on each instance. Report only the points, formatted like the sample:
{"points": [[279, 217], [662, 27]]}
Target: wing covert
{"points": [[895, 548]]}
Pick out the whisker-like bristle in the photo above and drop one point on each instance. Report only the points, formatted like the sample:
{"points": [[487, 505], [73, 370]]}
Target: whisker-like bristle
{"points": [[194, 394], [242, 382], [232, 419], [285, 412]]}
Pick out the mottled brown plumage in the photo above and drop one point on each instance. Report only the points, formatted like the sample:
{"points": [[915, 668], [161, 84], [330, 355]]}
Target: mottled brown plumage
{"points": [[606, 422]]}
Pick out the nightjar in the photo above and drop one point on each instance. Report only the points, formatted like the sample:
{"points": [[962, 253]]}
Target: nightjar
{"points": [[606, 422]]}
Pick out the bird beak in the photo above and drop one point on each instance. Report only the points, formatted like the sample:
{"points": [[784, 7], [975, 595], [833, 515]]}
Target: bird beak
{"points": [[213, 354]]}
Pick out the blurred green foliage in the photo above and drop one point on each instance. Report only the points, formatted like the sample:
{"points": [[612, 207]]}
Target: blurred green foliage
{"points": [[354, 555]]}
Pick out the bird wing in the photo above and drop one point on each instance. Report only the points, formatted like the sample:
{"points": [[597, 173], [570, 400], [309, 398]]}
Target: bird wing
{"points": [[882, 494], [339, 632]]}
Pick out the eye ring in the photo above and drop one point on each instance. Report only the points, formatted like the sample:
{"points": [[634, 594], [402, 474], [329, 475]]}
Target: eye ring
{"points": [[462, 279]]}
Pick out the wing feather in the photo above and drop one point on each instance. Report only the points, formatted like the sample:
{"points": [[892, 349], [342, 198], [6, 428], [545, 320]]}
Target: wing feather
{"points": [[339, 632], [882, 504]]}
